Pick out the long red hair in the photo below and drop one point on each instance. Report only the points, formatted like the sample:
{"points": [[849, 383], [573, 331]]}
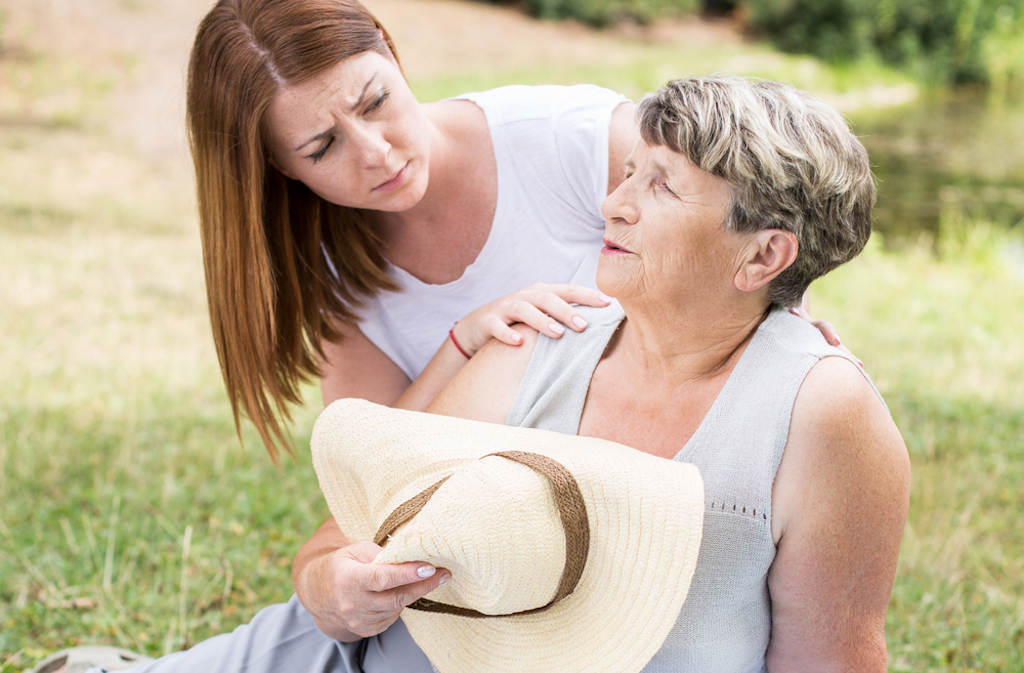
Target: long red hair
{"points": [[282, 265]]}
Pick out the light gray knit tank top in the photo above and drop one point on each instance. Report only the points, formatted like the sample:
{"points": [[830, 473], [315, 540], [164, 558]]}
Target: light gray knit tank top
{"points": [[725, 623]]}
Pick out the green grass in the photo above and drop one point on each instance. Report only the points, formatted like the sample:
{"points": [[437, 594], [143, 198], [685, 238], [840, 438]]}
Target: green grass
{"points": [[941, 338], [129, 515]]}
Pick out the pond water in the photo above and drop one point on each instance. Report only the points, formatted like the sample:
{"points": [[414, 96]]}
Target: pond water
{"points": [[959, 151]]}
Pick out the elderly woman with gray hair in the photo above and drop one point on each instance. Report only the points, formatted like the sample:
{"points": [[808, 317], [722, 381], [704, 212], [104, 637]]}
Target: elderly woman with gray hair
{"points": [[739, 194]]}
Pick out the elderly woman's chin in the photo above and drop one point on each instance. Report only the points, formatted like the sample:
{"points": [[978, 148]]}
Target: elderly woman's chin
{"points": [[615, 278]]}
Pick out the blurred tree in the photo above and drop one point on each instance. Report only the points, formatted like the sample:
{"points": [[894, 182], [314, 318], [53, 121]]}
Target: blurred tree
{"points": [[607, 12], [949, 41]]}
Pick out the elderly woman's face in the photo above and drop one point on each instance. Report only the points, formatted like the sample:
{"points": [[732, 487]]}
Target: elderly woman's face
{"points": [[664, 230], [354, 134]]}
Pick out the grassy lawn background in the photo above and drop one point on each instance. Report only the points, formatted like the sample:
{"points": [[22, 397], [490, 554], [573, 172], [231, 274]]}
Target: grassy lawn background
{"points": [[129, 514]]}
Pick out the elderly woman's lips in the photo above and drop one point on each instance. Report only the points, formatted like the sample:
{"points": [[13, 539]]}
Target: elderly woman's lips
{"points": [[613, 248], [395, 182]]}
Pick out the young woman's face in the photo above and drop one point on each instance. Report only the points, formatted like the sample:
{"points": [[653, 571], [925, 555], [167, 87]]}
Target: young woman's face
{"points": [[354, 134]]}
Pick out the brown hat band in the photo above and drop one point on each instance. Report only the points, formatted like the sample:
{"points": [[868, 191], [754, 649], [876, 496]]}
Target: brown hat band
{"points": [[571, 509]]}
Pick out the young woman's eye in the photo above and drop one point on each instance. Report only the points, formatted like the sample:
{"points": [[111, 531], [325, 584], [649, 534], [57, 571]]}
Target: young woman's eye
{"points": [[319, 154], [378, 102]]}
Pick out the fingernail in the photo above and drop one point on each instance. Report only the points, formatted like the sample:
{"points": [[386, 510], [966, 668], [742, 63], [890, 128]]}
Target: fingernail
{"points": [[860, 364], [839, 342], [516, 338], [426, 571], [579, 321], [556, 328], [794, 310], [445, 578], [605, 298]]}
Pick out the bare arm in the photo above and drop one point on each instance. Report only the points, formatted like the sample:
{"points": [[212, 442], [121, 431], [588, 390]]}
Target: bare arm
{"points": [[839, 505], [347, 596], [355, 367], [486, 387]]}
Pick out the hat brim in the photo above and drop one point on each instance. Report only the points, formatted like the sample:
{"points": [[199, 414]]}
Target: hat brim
{"points": [[645, 513]]}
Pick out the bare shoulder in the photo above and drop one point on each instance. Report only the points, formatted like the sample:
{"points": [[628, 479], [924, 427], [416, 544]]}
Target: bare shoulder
{"points": [[486, 386], [837, 407], [839, 506], [841, 438]]}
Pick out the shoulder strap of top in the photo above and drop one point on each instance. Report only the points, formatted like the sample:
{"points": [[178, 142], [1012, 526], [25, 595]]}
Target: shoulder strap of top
{"points": [[554, 387]]}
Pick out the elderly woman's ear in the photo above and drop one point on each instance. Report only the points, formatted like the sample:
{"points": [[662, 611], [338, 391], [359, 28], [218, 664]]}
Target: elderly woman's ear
{"points": [[768, 253]]}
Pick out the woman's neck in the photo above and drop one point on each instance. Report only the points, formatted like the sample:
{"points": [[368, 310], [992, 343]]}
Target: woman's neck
{"points": [[445, 231], [676, 347], [661, 373]]}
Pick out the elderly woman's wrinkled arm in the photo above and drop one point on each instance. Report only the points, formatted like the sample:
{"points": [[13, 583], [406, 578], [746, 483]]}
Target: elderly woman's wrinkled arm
{"points": [[840, 503]]}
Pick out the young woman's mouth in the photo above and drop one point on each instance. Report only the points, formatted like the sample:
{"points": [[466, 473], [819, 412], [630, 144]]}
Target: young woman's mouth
{"points": [[395, 181]]}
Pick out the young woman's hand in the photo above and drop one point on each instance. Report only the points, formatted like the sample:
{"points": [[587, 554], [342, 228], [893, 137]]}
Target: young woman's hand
{"points": [[348, 595], [823, 326], [545, 308]]}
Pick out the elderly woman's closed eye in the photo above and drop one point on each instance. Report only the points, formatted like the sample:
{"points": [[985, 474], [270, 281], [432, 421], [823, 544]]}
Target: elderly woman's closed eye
{"points": [[739, 194]]}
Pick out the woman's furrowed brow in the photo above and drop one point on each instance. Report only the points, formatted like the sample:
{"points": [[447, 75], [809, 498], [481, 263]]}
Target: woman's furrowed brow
{"points": [[318, 136], [352, 108]]}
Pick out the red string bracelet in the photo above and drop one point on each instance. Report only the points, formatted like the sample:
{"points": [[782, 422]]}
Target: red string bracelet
{"points": [[451, 333]]}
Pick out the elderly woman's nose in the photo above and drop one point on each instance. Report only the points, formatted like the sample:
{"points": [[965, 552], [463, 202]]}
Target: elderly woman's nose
{"points": [[620, 206]]}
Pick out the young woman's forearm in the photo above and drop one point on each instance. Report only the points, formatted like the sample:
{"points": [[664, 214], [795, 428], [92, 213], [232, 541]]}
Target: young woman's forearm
{"points": [[442, 368]]}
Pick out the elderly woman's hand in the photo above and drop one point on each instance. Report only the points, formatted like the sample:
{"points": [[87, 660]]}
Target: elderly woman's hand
{"points": [[541, 306], [350, 597]]}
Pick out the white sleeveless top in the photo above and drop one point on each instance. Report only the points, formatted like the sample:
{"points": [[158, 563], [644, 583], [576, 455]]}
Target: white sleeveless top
{"points": [[725, 624], [551, 147]]}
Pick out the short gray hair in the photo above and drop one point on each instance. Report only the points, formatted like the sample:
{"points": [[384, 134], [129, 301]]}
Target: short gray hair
{"points": [[791, 160]]}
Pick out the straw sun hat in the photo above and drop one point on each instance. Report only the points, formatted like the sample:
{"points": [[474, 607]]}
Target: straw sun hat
{"points": [[567, 553]]}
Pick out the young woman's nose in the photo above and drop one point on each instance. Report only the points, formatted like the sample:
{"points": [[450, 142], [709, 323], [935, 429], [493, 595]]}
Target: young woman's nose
{"points": [[620, 205], [372, 147]]}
